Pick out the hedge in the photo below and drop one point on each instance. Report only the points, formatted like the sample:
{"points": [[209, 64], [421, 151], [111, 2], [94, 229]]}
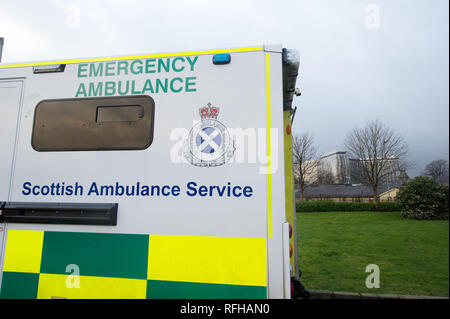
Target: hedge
{"points": [[329, 206]]}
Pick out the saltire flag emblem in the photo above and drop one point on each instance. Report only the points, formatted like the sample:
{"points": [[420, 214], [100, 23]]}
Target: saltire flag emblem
{"points": [[209, 142]]}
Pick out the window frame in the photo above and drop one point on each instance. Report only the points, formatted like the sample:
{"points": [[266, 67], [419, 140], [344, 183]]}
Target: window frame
{"points": [[149, 110]]}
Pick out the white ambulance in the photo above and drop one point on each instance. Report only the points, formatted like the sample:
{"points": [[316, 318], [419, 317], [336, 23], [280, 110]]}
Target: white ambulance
{"points": [[149, 176]]}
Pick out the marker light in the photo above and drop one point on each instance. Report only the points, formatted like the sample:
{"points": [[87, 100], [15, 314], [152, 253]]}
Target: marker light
{"points": [[290, 231], [49, 68], [221, 58]]}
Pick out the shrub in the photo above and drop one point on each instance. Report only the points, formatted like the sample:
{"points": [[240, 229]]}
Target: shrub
{"points": [[329, 206], [423, 198]]}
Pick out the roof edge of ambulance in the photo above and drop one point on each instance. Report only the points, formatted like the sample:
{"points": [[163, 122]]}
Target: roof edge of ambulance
{"points": [[268, 48]]}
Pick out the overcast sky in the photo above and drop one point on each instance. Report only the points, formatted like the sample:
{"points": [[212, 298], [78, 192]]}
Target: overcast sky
{"points": [[360, 60]]}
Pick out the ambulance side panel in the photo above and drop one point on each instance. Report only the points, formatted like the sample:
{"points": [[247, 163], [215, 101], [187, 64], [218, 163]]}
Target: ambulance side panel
{"points": [[175, 246]]}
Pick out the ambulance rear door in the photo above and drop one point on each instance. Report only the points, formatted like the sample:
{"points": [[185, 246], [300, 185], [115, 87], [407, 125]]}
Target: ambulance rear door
{"points": [[10, 101]]}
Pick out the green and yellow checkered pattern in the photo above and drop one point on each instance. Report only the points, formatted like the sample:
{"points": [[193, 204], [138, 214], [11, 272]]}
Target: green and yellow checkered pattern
{"points": [[132, 266]]}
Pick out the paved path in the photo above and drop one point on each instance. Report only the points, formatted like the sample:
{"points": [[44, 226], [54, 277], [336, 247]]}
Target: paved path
{"points": [[327, 294]]}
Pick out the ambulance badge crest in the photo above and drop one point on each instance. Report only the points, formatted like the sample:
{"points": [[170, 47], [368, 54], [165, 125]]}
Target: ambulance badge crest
{"points": [[209, 143]]}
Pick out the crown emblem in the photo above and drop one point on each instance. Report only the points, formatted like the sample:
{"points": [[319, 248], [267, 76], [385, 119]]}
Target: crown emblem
{"points": [[209, 112], [209, 143]]}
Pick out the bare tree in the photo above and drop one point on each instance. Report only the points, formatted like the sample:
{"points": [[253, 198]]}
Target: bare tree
{"points": [[437, 169], [324, 174], [379, 152], [305, 162]]}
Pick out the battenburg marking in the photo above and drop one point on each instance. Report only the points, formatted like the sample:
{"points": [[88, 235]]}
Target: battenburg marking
{"points": [[209, 142]]}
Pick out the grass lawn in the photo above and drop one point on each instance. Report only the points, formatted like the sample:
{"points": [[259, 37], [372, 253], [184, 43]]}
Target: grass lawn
{"points": [[335, 248]]}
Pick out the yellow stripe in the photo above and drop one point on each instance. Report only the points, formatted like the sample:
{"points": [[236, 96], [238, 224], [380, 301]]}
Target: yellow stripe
{"points": [[269, 164], [218, 260], [145, 56], [23, 251], [289, 180], [54, 286]]}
